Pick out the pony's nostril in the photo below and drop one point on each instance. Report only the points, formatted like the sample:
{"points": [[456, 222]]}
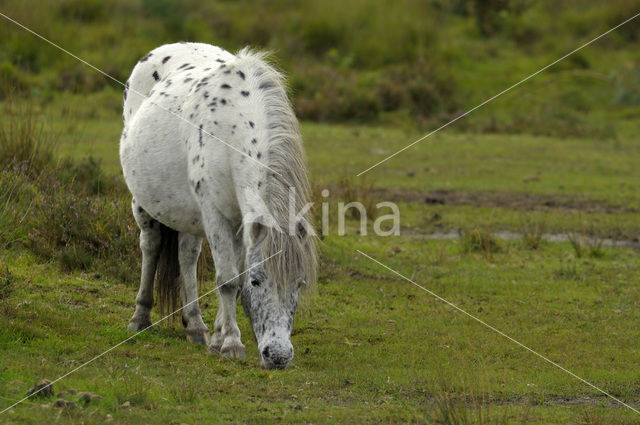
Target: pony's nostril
{"points": [[265, 353]]}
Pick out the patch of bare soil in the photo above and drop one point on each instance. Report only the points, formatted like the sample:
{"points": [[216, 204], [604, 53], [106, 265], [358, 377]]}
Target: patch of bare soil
{"points": [[514, 200], [549, 400], [552, 400]]}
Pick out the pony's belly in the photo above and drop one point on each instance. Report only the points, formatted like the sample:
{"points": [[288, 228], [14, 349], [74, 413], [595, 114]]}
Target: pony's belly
{"points": [[159, 184]]}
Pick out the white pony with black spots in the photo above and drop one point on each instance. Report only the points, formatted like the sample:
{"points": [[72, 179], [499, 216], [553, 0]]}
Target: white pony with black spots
{"points": [[211, 148]]}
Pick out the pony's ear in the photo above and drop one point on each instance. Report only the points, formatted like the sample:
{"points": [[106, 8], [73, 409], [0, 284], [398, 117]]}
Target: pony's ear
{"points": [[303, 228], [257, 232], [301, 231], [257, 225]]}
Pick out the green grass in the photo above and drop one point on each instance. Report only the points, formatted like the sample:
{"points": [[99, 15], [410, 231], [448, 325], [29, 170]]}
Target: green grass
{"points": [[370, 345], [558, 153], [468, 161]]}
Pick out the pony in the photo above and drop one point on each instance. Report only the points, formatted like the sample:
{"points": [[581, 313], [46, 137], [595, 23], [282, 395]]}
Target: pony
{"points": [[211, 148]]}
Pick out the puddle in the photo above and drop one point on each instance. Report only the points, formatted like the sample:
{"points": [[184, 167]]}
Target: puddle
{"points": [[510, 236]]}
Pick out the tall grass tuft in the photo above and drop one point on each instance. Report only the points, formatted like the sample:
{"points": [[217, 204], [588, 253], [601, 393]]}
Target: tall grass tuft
{"points": [[479, 239], [532, 233], [345, 190], [450, 407], [363, 193], [570, 271], [586, 241], [24, 138], [6, 282]]}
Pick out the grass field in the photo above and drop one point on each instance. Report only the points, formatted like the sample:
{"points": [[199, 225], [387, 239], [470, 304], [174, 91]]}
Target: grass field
{"points": [[524, 214], [370, 345]]}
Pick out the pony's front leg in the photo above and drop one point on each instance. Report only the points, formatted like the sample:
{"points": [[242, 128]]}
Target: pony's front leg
{"points": [[150, 239], [226, 334], [189, 248]]}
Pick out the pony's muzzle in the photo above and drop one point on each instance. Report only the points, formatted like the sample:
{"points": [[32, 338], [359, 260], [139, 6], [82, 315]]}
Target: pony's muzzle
{"points": [[276, 354]]}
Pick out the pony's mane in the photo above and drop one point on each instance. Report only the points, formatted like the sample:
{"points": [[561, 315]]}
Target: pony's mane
{"points": [[285, 157]]}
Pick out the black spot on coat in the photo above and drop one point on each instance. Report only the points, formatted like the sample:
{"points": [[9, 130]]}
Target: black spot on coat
{"points": [[165, 59], [156, 76]]}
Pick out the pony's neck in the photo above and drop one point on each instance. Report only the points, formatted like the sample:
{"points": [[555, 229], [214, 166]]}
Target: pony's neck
{"points": [[275, 142]]}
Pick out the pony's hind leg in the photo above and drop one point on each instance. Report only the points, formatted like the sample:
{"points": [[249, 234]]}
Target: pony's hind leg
{"points": [[226, 339], [189, 248], [150, 240]]}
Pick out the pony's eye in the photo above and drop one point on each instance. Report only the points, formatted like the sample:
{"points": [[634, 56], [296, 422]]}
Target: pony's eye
{"points": [[255, 282]]}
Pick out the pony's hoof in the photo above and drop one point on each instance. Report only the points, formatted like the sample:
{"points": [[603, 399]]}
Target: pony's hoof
{"points": [[198, 336], [138, 325], [234, 351], [215, 348]]}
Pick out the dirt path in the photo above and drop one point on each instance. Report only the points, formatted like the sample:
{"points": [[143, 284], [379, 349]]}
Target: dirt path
{"points": [[514, 200], [507, 235]]}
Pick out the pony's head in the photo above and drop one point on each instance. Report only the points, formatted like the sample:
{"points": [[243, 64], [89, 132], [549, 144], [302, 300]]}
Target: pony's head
{"points": [[282, 265]]}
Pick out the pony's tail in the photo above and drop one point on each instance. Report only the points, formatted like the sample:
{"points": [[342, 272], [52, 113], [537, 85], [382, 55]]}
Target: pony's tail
{"points": [[168, 278]]}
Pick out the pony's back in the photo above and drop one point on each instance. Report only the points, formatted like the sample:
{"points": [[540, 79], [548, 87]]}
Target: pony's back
{"points": [[158, 64]]}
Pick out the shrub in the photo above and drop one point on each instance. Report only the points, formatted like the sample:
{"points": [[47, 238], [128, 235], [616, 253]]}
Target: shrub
{"points": [[70, 212], [56, 217], [171, 12], [619, 11], [319, 36], [88, 177], [78, 78], [82, 10], [627, 85], [325, 94], [25, 53], [11, 80]]}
